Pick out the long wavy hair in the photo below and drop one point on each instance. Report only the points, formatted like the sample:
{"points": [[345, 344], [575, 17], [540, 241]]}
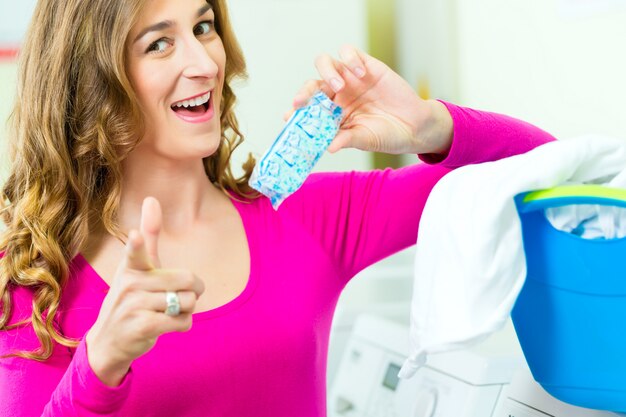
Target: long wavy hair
{"points": [[75, 120]]}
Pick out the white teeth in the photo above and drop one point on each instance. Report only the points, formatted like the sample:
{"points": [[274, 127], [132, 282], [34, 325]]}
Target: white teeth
{"points": [[194, 101]]}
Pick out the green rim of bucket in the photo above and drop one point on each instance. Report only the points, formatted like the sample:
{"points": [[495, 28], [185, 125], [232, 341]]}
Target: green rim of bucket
{"points": [[574, 191]]}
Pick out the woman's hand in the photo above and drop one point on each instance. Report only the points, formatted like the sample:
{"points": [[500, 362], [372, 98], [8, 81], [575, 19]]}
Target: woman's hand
{"points": [[132, 315], [382, 113]]}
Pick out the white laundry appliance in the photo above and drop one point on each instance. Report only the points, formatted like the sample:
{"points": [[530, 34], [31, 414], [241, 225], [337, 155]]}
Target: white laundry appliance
{"points": [[524, 397], [383, 289], [465, 383], [343, 326], [488, 380]]}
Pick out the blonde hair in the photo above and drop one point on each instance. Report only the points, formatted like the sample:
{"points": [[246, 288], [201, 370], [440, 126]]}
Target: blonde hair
{"points": [[74, 121]]}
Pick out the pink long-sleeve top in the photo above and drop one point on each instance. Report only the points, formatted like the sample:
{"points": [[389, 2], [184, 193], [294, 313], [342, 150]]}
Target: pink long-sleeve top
{"points": [[263, 354]]}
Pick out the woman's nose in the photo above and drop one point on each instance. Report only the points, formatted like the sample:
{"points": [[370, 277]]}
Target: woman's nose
{"points": [[197, 61]]}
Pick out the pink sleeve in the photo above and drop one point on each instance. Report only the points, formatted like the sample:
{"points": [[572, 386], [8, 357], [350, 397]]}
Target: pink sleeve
{"points": [[64, 385], [481, 136], [361, 217]]}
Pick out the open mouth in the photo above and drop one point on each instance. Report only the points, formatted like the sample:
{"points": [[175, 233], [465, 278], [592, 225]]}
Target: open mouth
{"points": [[194, 107]]}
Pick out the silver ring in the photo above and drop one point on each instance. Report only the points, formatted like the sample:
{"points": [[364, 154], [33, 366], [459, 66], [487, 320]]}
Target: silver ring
{"points": [[173, 303]]}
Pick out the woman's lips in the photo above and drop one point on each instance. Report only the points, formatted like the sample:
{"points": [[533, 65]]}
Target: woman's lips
{"points": [[195, 114]]}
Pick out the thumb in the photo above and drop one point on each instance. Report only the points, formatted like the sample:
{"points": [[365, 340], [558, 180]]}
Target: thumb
{"points": [[342, 140], [355, 136], [136, 255], [150, 227]]}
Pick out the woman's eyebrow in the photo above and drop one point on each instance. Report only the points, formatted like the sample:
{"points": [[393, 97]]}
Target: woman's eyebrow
{"points": [[153, 28], [204, 9], [167, 23]]}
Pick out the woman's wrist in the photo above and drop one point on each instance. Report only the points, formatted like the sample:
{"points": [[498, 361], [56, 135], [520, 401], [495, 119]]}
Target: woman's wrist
{"points": [[440, 129], [108, 372]]}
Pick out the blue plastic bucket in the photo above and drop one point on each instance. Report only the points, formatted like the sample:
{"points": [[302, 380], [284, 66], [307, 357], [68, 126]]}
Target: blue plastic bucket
{"points": [[570, 316]]}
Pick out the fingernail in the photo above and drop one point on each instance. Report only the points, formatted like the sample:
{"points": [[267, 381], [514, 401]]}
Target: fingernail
{"points": [[336, 84], [359, 72]]}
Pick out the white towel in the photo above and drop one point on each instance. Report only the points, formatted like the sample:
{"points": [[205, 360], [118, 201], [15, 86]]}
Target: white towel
{"points": [[592, 221], [470, 264]]}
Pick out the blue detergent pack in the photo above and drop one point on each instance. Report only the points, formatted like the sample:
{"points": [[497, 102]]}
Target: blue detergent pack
{"points": [[296, 150], [570, 316]]}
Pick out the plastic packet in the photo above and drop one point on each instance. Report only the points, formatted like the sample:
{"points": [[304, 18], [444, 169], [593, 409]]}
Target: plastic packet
{"points": [[296, 150]]}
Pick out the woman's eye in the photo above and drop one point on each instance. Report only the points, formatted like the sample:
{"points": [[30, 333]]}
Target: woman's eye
{"points": [[158, 46], [203, 28]]}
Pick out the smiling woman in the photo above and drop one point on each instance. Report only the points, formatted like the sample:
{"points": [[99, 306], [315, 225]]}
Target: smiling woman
{"points": [[106, 116], [69, 145], [121, 209]]}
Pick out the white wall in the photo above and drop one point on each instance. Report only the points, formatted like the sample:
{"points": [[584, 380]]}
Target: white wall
{"points": [[14, 17], [538, 60], [557, 63], [427, 46]]}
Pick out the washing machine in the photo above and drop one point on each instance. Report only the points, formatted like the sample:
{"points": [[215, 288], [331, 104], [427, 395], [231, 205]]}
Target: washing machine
{"points": [[524, 397], [467, 383], [383, 289]]}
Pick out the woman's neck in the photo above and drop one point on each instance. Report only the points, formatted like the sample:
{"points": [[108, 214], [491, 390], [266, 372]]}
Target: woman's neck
{"points": [[184, 192]]}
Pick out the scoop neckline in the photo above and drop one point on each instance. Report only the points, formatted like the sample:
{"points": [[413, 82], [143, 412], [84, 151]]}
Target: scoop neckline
{"points": [[82, 264]]}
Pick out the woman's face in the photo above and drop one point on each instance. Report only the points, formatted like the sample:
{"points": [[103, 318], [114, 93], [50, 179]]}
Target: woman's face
{"points": [[176, 64]]}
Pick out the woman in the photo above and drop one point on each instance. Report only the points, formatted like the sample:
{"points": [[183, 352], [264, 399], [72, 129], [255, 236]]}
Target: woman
{"points": [[141, 278]]}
